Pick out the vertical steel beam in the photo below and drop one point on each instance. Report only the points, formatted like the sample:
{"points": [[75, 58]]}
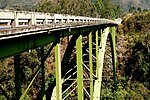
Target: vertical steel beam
{"points": [[91, 66], [17, 76], [43, 73], [58, 73], [113, 49], [97, 57], [79, 67], [100, 31], [101, 52]]}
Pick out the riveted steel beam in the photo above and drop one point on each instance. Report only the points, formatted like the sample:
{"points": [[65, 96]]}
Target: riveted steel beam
{"points": [[97, 57], [58, 73], [91, 66], [79, 68]]}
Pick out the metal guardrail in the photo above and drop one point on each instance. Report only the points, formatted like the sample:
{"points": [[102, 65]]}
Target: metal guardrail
{"points": [[12, 22], [24, 18]]}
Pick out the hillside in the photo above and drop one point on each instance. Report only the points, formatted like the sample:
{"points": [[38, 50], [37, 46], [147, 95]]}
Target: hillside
{"points": [[128, 4], [125, 4], [138, 23], [18, 4], [133, 48]]}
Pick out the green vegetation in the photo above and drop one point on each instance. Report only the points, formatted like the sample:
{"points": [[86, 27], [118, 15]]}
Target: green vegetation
{"points": [[27, 5], [137, 22], [106, 9], [75, 7], [134, 64], [101, 8]]}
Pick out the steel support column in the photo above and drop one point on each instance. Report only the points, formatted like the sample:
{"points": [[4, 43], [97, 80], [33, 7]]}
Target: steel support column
{"points": [[101, 52], [91, 66], [79, 68], [113, 48], [58, 73], [43, 74], [17, 76], [97, 57]]}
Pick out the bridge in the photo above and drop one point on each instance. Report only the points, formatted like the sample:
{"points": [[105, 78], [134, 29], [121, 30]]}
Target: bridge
{"points": [[87, 38]]}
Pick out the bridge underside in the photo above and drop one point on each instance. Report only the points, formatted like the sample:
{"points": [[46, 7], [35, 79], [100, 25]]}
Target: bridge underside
{"points": [[96, 39], [21, 42]]}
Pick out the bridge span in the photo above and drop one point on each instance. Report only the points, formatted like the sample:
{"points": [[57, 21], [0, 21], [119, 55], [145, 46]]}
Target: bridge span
{"points": [[21, 31]]}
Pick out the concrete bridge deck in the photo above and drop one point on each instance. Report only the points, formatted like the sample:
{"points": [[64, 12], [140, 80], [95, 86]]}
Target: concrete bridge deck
{"points": [[12, 22]]}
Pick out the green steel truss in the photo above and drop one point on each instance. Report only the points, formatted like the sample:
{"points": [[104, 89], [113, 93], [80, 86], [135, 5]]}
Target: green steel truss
{"points": [[86, 70]]}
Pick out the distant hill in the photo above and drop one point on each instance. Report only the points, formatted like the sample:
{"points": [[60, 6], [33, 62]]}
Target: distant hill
{"points": [[128, 4], [28, 4], [18, 4]]}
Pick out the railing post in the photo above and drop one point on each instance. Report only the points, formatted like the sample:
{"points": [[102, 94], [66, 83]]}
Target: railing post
{"points": [[17, 76], [79, 68], [30, 23], [67, 18], [45, 20], [91, 66], [14, 22], [33, 19], [58, 73]]}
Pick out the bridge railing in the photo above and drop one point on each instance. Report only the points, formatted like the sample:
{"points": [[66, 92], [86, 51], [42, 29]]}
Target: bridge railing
{"points": [[12, 22], [24, 18]]}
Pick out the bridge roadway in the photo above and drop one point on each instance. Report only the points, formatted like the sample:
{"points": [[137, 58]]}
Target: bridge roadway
{"points": [[21, 31]]}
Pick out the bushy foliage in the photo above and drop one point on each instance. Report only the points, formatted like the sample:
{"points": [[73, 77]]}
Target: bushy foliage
{"points": [[74, 7], [137, 22], [101, 8], [138, 66], [7, 78], [134, 66], [106, 9]]}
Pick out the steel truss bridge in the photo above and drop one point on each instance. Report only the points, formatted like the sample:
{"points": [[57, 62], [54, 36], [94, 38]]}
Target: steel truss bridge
{"points": [[21, 31]]}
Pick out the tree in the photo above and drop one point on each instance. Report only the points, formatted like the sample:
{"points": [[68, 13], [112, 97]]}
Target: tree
{"points": [[107, 9], [74, 7], [145, 10], [132, 9], [139, 9]]}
